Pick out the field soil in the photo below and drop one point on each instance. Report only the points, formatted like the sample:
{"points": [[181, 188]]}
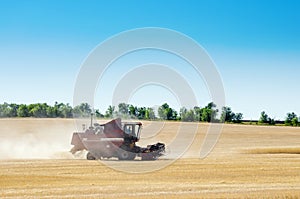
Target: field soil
{"points": [[246, 162]]}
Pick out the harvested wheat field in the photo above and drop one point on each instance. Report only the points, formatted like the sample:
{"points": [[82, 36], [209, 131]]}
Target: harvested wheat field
{"points": [[247, 162]]}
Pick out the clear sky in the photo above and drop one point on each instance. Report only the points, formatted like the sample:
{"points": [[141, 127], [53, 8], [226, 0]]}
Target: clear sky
{"points": [[255, 45]]}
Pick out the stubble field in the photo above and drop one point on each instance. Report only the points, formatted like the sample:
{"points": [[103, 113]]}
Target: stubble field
{"points": [[247, 162]]}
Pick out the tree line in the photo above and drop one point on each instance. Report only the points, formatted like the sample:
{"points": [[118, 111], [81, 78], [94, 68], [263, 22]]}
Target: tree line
{"points": [[291, 119], [208, 113], [39, 110]]}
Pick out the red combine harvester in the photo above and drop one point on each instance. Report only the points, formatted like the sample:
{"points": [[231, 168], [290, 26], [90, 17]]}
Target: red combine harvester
{"points": [[115, 139]]}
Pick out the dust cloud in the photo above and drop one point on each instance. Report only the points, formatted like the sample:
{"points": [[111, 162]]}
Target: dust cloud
{"points": [[35, 138]]}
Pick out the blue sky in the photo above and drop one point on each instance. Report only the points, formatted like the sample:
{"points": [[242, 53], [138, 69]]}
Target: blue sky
{"points": [[255, 45]]}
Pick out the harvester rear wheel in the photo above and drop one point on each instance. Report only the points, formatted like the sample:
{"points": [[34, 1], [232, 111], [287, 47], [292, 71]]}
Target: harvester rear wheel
{"points": [[89, 156]]}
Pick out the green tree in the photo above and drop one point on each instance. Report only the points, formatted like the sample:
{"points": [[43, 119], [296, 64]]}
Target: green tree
{"points": [[123, 108], [38, 110], [237, 118], [110, 112], [141, 112], [62, 110], [227, 115], [23, 111], [82, 110], [162, 111], [66, 111], [295, 121], [50, 112], [187, 115], [167, 113], [58, 109], [264, 118], [272, 121], [13, 110], [290, 117], [182, 113], [190, 116], [198, 113], [149, 114], [133, 111], [209, 113], [8, 110], [4, 110], [98, 114]]}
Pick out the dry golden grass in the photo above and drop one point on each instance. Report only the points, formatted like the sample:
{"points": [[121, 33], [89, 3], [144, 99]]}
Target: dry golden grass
{"points": [[247, 162], [275, 151]]}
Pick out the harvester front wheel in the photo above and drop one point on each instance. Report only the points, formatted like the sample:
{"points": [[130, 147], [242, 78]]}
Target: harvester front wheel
{"points": [[125, 155], [89, 156], [147, 156]]}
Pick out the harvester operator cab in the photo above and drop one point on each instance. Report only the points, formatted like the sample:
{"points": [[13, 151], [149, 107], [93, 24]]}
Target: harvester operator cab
{"points": [[132, 131]]}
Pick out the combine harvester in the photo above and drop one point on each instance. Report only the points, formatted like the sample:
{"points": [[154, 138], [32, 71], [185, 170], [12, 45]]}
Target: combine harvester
{"points": [[114, 139]]}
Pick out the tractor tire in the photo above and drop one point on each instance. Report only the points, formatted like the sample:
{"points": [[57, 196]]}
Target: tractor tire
{"points": [[125, 155], [89, 156]]}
